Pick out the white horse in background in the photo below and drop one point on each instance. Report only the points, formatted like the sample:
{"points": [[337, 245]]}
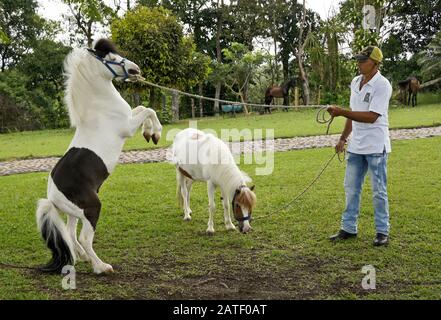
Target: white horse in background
{"points": [[200, 156], [103, 121]]}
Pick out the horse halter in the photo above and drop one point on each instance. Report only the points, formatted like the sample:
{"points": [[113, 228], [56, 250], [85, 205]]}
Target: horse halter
{"points": [[234, 205], [107, 63]]}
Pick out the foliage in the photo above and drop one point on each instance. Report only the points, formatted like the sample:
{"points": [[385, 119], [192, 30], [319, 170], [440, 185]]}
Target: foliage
{"points": [[239, 68], [351, 12], [20, 26], [414, 22], [84, 17], [430, 59], [153, 38]]}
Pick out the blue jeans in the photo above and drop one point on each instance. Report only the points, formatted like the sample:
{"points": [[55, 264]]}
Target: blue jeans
{"points": [[357, 166]]}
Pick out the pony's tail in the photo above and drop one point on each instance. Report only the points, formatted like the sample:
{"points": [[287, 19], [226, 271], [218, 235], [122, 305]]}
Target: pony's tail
{"points": [[54, 233]]}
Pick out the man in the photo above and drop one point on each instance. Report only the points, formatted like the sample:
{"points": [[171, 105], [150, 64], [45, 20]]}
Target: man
{"points": [[369, 146]]}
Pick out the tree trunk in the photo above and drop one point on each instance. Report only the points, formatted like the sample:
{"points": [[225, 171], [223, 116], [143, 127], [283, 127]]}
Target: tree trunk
{"points": [[429, 83], [285, 67], [175, 106], [89, 34], [217, 96], [136, 98], [303, 74], [193, 113], [201, 103], [218, 54], [155, 99], [275, 63], [243, 99]]}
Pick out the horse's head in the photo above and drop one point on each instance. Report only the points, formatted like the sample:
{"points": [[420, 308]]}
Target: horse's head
{"points": [[114, 66], [292, 82], [243, 203]]}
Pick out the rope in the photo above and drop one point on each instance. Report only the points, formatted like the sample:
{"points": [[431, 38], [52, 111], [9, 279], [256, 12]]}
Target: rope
{"points": [[320, 118], [13, 266], [191, 95], [287, 205]]}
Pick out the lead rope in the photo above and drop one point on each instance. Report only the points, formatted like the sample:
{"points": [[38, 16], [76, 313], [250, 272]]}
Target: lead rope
{"points": [[320, 118]]}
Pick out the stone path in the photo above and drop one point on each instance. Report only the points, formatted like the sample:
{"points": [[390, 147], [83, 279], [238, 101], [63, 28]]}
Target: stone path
{"points": [[160, 155]]}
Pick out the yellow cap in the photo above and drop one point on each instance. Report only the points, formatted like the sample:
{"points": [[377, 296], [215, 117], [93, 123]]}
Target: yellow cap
{"points": [[372, 52]]}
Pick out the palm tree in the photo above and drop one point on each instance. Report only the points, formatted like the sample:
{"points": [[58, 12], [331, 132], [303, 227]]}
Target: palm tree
{"points": [[430, 61]]}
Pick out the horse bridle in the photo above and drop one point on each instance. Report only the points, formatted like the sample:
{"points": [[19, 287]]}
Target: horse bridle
{"points": [[107, 63], [233, 205]]}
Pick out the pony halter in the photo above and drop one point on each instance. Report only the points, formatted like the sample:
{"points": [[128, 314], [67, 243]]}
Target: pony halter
{"points": [[233, 205], [107, 63]]}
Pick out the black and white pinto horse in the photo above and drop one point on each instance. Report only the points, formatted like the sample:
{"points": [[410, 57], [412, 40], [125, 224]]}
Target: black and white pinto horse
{"points": [[103, 121]]}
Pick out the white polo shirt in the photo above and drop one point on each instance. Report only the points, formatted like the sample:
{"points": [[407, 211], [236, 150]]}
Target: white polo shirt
{"points": [[368, 138]]}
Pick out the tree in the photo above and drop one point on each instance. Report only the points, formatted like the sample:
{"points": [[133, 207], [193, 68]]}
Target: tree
{"points": [[413, 22], [85, 16], [153, 38], [220, 13], [239, 69], [430, 59], [44, 70], [299, 53], [20, 26]]}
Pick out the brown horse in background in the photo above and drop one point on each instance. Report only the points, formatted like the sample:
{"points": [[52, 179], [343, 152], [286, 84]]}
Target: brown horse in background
{"points": [[278, 92], [411, 85]]}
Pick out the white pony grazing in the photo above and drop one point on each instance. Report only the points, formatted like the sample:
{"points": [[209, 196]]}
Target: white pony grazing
{"points": [[103, 122], [199, 156]]}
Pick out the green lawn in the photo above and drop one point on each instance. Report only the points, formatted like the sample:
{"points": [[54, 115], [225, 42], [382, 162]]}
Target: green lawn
{"points": [[294, 123], [157, 255]]}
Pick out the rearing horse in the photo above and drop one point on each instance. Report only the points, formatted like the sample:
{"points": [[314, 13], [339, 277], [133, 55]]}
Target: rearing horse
{"points": [[103, 121], [279, 92]]}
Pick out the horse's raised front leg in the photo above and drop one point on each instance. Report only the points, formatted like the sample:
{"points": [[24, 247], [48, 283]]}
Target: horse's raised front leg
{"points": [[152, 128], [139, 114]]}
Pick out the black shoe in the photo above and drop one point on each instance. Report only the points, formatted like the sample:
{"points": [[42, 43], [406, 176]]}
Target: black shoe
{"points": [[381, 240], [342, 235]]}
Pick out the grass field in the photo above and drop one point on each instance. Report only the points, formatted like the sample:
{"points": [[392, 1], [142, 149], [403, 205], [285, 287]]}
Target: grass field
{"points": [[294, 123], [157, 255]]}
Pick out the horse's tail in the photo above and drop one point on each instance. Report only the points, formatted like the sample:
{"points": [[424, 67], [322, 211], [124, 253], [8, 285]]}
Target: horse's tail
{"points": [[54, 233], [268, 97]]}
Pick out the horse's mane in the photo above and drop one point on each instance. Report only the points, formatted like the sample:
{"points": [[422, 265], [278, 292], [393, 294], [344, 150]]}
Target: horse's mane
{"points": [[72, 72], [79, 78]]}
